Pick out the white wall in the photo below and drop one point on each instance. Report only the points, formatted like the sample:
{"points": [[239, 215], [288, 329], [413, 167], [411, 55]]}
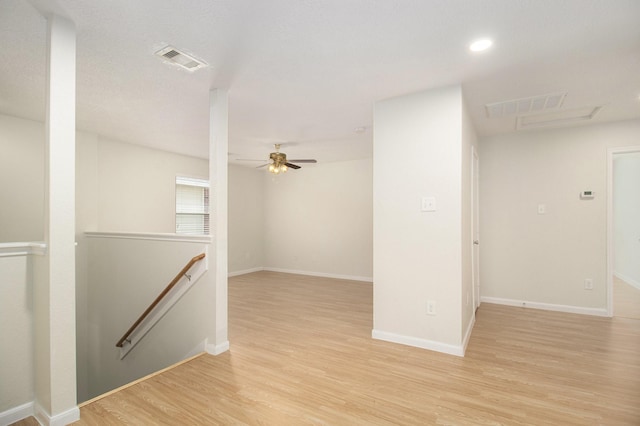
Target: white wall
{"points": [[418, 255], [246, 219], [119, 187], [127, 275], [86, 220], [526, 256], [318, 220], [136, 186], [16, 332], [21, 180], [123, 188], [626, 216]]}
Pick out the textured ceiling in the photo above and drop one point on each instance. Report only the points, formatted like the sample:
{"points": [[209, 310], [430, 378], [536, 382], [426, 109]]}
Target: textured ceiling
{"points": [[306, 73]]}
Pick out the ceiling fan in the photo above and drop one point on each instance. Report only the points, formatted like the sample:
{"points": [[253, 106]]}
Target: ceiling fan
{"points": [[279, 163]]}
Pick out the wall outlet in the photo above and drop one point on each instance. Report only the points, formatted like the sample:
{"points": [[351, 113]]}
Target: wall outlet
{"points": [[431, 307], [588, 284]]}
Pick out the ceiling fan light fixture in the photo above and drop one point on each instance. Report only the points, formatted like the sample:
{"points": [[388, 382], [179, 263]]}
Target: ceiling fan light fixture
{"points": [[277, 169], [278, 162]]}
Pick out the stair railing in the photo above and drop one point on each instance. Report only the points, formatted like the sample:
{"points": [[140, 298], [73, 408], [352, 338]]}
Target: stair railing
{"points": [[159, 307]]}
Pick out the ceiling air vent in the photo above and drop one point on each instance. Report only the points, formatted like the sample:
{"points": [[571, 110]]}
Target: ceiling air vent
{"points": [[533, 104], [174, 56], [557, 118]]}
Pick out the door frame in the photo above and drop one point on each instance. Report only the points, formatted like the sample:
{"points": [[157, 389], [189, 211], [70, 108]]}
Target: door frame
{"points": [[475, 227], [611, 152]]}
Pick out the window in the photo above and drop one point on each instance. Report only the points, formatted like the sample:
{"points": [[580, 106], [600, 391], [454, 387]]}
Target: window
{"points": [[192, 206]]}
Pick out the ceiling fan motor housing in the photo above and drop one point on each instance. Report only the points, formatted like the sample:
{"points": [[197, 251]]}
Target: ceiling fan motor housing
{"points": [[278, 157]]}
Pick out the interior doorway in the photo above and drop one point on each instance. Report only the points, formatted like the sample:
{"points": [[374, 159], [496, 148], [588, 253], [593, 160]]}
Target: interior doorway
{"points": [[624, 232]]}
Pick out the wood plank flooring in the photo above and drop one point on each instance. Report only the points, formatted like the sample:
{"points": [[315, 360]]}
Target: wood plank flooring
{"points": [[301, 353], [626, 299]]}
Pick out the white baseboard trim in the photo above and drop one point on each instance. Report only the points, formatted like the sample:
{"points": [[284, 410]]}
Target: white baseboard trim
{"points": [[599, 312], [467, 334], [627, 279], [217, 349], [245, 271], [320, 274], [62, 419], [15, 414], [418, 342]]}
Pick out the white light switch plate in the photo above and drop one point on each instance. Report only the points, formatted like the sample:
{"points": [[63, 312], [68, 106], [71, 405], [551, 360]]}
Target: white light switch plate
{"points": [[428, 204]]}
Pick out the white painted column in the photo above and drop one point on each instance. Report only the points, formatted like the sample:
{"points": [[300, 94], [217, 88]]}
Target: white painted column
{"points": [[218, 148], [54, 274]]}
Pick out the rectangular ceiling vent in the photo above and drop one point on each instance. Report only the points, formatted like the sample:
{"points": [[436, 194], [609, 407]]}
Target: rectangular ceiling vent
{"points": [[174, 56], [533, 104], [557, 118]]}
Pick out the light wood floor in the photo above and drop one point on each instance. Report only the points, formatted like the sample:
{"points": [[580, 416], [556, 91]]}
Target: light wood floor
{"points": [[301, 353], [626, 299]]}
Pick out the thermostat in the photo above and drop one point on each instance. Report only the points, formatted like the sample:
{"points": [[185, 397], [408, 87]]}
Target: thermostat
{"points": [[586, 195]]}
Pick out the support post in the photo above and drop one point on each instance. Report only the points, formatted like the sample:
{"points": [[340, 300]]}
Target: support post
{"points": [[54, 273], [218, 148]]}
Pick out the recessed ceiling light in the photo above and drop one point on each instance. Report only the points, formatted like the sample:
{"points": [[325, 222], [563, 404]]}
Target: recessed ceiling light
{"points": [[480, 45]]}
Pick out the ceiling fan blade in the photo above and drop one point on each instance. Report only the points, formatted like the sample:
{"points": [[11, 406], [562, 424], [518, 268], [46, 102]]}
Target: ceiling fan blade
{"points": [[262, 165], [292, 166], [247, 159], [305, 161]]}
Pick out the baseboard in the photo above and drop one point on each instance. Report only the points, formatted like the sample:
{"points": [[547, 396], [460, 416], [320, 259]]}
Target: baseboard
{"points": [[15, 414], [62, 419], [135, 382], [418, 343], [320, 274], [467, 334], [627, 279], [245, 271], [599, 312], [217, 349]]}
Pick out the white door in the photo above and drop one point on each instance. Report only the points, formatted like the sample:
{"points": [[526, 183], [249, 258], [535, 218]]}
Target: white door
{"points": [[475, 227]]}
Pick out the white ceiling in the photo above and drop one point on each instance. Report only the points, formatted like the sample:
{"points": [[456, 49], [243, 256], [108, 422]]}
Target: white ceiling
{"points": [[307, 73]]}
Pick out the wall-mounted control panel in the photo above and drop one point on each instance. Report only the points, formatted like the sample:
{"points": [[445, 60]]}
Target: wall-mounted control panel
{"points": [[586, 195]]}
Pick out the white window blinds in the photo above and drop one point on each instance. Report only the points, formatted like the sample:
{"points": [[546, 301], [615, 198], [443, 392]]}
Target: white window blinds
{"points": [[192, 206]]}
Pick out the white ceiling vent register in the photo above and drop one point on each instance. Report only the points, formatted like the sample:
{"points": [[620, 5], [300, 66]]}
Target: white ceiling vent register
{"points": [[557, 118], [522, 106], [183, 60]]}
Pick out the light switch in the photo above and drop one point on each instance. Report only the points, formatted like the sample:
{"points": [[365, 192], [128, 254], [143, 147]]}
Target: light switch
{"points": [[428, 204], [542, 209]]}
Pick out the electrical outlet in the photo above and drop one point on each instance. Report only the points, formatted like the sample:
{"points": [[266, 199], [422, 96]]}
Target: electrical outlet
{"points": [[588, 284], [431, 307]]}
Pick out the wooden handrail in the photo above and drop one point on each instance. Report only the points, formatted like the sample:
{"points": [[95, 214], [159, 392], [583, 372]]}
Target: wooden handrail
{"points": [[159, 298]]}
